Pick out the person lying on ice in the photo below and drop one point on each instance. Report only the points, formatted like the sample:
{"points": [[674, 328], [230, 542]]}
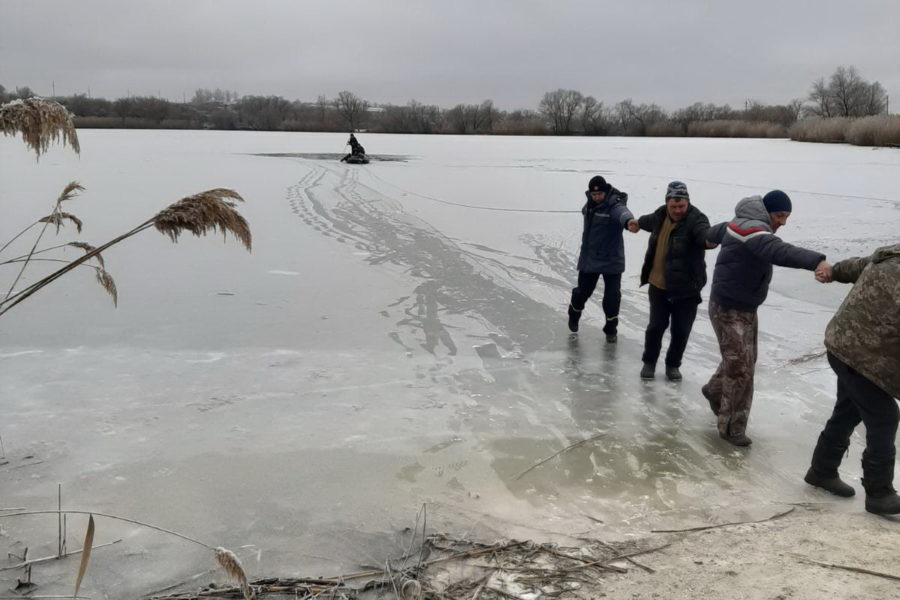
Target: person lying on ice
{"points": [[749, 248], [863, 348]]}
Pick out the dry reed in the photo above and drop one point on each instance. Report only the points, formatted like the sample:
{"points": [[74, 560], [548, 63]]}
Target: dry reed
{"points": [[733, 128], [106, 280], [818, 129], [70, 191], [200, 213], [88, 248], [57, 217], [40, 122], [230, 563], [878, 130]]}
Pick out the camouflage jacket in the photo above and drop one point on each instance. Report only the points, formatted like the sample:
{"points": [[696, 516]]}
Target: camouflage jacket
{"points": [[865, 331]]}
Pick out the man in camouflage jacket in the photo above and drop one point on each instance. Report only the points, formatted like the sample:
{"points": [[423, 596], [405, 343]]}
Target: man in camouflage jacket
{"points": [[863, 343]]}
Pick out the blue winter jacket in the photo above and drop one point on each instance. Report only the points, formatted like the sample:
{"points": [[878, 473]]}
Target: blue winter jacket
{"points": [[749, 249], [602, 247]]}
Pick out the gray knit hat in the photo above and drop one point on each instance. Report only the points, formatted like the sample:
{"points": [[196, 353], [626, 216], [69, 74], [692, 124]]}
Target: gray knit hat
{"points": [[677, 189]]}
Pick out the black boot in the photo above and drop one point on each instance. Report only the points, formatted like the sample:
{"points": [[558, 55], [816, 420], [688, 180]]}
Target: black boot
{"points": [[878, 479], [609, 329], [648, 371], [883, 505], [829, 484], [823, 470], [673, 374], [574, 317]]}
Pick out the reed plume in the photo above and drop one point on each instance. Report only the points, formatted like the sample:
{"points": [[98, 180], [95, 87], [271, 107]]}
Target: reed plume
{"points": [[109, 284], [232, 566], [88, 248], [57, 218], [200, 213], [72, 189], [40, 122]]}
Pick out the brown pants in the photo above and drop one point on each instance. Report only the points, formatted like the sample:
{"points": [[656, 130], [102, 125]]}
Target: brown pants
{"points": [[730, 389]]}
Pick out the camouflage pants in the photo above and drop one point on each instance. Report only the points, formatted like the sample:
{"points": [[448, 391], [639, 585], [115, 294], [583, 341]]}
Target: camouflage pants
{"points": [[730, 389]]}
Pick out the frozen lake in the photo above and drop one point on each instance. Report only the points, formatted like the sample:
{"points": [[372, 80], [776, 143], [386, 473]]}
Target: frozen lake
{"points": [[397, 337]]}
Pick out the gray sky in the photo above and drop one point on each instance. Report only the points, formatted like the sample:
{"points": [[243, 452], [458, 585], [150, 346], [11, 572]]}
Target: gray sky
{"points": [[669, 52]]}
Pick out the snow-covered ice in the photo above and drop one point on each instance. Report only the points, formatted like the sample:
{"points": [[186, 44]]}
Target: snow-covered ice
{"points": [[397, 336]]}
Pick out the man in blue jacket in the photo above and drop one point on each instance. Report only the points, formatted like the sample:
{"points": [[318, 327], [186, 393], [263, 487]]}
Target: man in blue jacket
{"points": [[602, 253], [740, 285]]}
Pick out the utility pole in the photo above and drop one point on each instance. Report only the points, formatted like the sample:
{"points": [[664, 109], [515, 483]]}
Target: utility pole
{"points": [[53, 87]]}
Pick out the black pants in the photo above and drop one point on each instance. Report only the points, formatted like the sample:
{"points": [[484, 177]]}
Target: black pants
{"points": [[682, 313], [858, 399], [612, 296]]}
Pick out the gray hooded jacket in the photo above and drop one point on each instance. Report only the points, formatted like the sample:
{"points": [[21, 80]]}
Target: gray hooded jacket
{"points": [[749, 249]]}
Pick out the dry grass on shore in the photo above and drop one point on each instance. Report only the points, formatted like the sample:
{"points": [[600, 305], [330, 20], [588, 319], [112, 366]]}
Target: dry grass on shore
{"points": [[878, 130], [737, 129]]}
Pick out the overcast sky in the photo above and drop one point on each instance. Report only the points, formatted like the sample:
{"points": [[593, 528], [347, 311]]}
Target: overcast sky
{"points": [[668, 52]]}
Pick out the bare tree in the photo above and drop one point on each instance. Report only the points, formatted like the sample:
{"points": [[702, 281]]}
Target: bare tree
{"points": [[471, 118], [820, 98], [636, 118], [874, 100], [351, 108], [123, 108], [560, 108], [847, 94], [322, 106], [484, 117], [426, 118], [593, 119]]}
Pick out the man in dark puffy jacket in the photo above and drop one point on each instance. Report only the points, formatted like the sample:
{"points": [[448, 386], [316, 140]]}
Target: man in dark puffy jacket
{"points": [[675, 268], [863, 343], [356, 149], [602, 253], [740, 285]]}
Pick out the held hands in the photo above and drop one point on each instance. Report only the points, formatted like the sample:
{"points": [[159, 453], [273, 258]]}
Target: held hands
{"points": [[823, 272], [633, 226]]}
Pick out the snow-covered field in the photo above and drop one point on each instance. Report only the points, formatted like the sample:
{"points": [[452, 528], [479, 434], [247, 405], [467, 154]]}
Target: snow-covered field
{"points": [[396, 337]]}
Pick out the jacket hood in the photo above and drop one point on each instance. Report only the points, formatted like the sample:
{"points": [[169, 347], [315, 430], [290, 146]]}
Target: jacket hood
{"points": [[750, 213], [885, 253]]}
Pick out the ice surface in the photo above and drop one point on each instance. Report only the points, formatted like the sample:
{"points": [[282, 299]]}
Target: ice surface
{"points": [[397, 336]]}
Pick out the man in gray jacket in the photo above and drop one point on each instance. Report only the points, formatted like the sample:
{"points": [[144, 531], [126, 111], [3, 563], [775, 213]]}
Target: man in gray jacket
{"points": [[863, 343], [740, 285]]}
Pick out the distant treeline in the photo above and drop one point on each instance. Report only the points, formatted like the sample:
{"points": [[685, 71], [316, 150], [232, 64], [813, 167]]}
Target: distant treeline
{"points": [[845, 108]]}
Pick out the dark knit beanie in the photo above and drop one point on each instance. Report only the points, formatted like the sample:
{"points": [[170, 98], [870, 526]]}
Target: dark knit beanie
{"points": [[777, 201], [597, 184], [677, 189]]}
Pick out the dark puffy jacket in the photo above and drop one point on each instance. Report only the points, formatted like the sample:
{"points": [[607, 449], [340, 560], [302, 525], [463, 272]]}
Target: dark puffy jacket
{"points": [[685, 264], [602, 247], [865, 331], [749, 249]]}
